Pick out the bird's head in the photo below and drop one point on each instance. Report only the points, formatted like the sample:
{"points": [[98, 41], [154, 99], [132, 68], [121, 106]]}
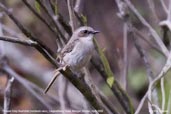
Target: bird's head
{"points": [[85, 32]]}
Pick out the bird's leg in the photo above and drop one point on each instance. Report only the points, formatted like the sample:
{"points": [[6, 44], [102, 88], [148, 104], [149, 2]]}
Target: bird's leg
{"points": [[65, 67]]}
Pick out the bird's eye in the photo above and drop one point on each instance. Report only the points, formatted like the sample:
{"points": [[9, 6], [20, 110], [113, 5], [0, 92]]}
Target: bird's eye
{"points": [[85, 31]]}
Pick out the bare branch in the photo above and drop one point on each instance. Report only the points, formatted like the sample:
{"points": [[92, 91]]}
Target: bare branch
{"points": [[150, 74], [19, 41], [151, 30], [163, 93], [84, 88], [141, 104], [77, 5], [144, 37], [71, 14], [25, 31], [164, 6], [169, 12], [7, 96], [41, 18], [121, 95], [107, 103], [169, 103], [11, 72], [125, 51], [30, 43], [153, 12], [52, 20], [41, 47], [164, 70]]}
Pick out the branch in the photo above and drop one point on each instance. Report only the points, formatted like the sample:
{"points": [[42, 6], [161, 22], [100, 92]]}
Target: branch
{"points": [[77, 5], [107, 103], [25, 31], [59, 18], [79, 84], [163, 93], [41, 18], [19, 41], [25, 83], [52, 20], [153, 12], [169, 103], [150, 74], [125, 53], [151, 30], [30, 43], [71, 14], [152, 84], [164, 6], [7, 96], [43, 49], [120, 94], [84, 89], [144, 37]]}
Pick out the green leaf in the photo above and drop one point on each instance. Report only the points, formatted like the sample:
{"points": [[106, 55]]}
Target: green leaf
{"points": [[37, 6], [110, 81], [110, 75]]}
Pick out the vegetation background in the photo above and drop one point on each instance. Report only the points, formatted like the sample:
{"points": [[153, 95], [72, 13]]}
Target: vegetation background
{"points": [[136, 45]]}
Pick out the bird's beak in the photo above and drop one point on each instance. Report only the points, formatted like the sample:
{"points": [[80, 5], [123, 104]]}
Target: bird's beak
{"points": [[95, 32]]}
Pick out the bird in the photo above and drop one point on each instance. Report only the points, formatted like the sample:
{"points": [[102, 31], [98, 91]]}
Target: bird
{"points": [[77, 52]]}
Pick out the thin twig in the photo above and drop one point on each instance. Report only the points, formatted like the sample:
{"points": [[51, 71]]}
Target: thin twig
{"points": [[85, 89], [162, 79], [71, 14], [59, 18], [9, 30], [150, 74], [21, 80], [163, 93], [24, 30], [43, 49], [151, 30], [52, 20], [19, 41], [120, 94], [30, 43], [7, 95], [125, 51], [87, 79], [77, 5], [169, 103], [107, 103], [164, 6], [144, 37], [79, 84], [61, 92], [153, 12], [141, 104], [41, 18], [169, 12], [164, 70]]}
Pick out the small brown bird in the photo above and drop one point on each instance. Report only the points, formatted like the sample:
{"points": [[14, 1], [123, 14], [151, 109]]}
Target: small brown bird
{"points": [[77, 52]]}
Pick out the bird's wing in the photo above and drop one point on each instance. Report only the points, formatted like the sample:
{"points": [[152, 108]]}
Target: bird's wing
{"points": [[69, 47]]}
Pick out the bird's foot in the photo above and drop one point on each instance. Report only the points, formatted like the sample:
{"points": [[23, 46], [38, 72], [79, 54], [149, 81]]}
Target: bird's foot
{"points": [[65, 67]]}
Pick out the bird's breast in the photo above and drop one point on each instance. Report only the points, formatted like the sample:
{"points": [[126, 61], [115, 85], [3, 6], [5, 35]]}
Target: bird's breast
{"points": [[80, 55]]}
